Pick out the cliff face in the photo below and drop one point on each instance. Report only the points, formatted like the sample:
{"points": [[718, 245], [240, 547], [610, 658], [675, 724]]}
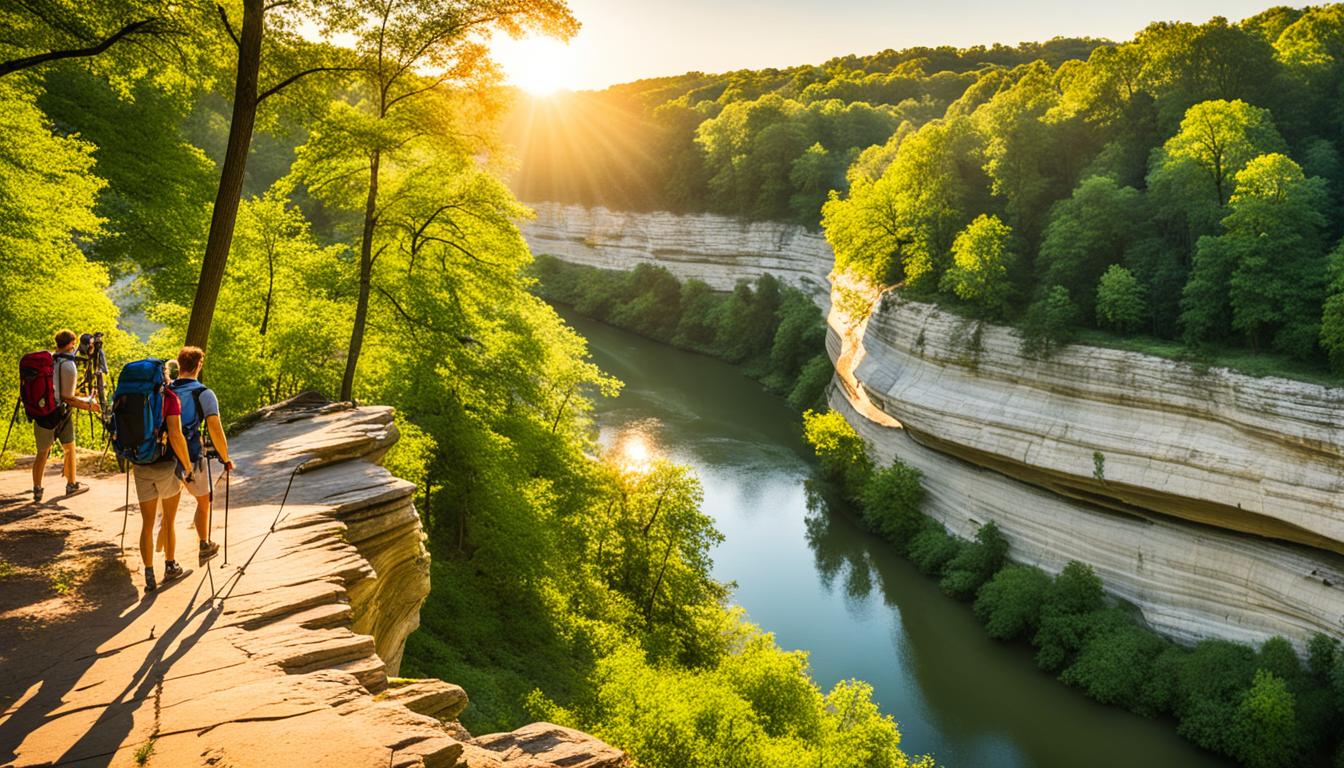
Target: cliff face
{"points": [[1209, 499], [719, 250], [285, 654]]}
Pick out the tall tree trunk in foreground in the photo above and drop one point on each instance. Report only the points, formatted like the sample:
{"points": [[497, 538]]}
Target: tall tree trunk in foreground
{"points": [[230, 192], [366, 258]]}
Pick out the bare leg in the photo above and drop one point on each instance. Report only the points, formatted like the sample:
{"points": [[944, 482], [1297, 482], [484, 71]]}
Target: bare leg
{"points": [[167, 536], [69, 450], [203, 517], [147, 509], [39, 466]]}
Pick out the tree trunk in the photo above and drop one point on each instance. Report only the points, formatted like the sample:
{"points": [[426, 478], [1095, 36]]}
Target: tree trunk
{"points": [[270, 292], [225, 212], [365, 280]]}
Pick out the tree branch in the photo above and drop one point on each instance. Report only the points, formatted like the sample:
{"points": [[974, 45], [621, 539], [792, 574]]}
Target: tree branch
{"points": [[224, 17], [294, 78], [14, 65]]}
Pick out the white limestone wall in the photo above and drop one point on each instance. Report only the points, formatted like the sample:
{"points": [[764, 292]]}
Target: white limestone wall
{"points": [[720, 250]]}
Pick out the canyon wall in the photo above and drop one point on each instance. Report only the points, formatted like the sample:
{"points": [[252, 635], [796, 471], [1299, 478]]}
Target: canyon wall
{"points": [[1209, 499], [719, 250]]}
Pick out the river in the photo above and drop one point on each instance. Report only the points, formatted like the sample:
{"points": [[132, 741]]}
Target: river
{"points": [[807, 571]]}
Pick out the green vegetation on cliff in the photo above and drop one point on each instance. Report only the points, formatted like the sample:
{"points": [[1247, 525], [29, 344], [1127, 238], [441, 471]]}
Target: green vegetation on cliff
{"points": [[1263, 707]]}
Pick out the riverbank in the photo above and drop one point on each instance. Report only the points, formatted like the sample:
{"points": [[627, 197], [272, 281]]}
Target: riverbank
{"points": [[808, 570]]}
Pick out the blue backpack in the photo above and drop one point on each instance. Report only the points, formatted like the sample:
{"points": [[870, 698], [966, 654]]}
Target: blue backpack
{"points": [[193, 423], [137, 423]]}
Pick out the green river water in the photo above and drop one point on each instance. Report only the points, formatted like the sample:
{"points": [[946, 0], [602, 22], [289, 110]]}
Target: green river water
{"points": [[805, 570]]}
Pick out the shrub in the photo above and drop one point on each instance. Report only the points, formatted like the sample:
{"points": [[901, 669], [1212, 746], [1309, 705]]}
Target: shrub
{"points": [[1010, 603], [1210, 684], [890, 501], [842, 453], [1076, 592], [1115, 663], [809, 389], [1050, 323], [1266, 726], [933, 547], [976, 563], [1120, 304]]}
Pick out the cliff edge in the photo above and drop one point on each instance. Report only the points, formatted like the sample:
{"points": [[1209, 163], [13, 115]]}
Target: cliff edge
{"points": [[285, 654]]}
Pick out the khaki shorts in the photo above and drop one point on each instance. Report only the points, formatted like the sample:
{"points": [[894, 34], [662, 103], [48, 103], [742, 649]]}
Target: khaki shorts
{"points": [[200, 484], [156, 481], [65, 432]]}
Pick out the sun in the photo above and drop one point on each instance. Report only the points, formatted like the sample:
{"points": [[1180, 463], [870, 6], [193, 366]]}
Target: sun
{"points": [[539, 65]]}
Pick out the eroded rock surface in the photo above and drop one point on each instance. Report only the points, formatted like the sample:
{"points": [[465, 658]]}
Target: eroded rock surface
{"points": [[720, 250], [1213, 501], [281, 656]]}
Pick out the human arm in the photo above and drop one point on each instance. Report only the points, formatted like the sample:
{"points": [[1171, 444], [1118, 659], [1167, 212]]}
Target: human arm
{"points": [[218, 440], [68, 396], [177, 441]]}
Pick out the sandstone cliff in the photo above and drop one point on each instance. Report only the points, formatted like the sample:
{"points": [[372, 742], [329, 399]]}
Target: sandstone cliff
{"points": [[719, 250], [284, 655], [1209, 499]]}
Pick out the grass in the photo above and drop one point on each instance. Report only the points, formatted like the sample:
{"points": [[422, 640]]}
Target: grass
{"points": [[1240, 360], [62, 579], [7, 569], [143, 754]]}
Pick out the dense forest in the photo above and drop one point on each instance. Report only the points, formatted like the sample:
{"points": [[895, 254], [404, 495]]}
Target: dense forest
{"points": [[1183, 186], [372, 250]]}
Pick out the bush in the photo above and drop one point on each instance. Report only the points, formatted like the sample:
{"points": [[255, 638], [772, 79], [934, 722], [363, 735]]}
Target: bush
{"points": [[1266, 726], [842, 453], [1210, 684], [1050, 323], [976, 563], [809, 389], [1010, 603], [1115, 664], [933, 547], [891, 499], [1075, 593], [1120, 304]]}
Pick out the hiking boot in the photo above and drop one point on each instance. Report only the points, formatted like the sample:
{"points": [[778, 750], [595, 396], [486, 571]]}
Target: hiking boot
{"points": [[150, 583], [37, 494], [208, 550], [172, 571], [75, 488]]}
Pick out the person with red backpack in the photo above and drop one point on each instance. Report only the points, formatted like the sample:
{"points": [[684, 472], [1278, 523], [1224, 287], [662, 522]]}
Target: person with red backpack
{"points": [[59, 424], [200, 418]]}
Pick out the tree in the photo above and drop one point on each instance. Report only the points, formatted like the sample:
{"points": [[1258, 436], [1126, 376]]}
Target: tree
{"points": [[250, 40], [1266, 724], [1219, 138], [981, 257], [1087, 233], [135, 31], [396, 40], [1120, 303], [901, 226], [842, 452], [1050, 322], [1269, 260], [891, 502], [976, 563], [1010, 603], [1332, 317]]}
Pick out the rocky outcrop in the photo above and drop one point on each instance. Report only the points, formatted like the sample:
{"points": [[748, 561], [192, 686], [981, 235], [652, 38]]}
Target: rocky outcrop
{"points": [[1015, 440], [720, 250], [283, 654]]}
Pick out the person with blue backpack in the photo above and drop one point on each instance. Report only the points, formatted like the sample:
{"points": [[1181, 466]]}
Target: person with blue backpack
{"points": [[146, 432], [200, 419]]}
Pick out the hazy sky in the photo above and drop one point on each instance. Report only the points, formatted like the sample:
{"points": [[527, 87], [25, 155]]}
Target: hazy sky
{"points": [[625, 40]]}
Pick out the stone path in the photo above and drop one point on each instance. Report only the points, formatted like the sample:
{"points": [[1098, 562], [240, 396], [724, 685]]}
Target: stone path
{"points": [[285, 655]]}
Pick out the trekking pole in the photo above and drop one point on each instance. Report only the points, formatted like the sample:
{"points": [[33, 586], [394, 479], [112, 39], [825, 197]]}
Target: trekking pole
{"points": [[12, 419], [125, 511], [227, 475]]}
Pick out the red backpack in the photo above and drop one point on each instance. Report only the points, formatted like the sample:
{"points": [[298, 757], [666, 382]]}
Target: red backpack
{"points": [[37, 389]]}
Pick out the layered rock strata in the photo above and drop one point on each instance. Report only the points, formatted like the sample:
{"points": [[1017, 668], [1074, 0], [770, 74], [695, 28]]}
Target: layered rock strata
{"points": [[720, 250], [283, 655], [1211, 500], [1015, 440]]}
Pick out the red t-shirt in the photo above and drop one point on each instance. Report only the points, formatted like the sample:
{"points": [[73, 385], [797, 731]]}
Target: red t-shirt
{"points": [[171, 405]]}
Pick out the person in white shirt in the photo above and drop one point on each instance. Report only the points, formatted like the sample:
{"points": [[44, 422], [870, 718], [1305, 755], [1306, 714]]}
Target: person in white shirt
{"points": [[65, 375]]}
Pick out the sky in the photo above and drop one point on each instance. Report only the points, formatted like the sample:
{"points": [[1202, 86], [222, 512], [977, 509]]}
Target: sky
{"points": [[623, 40]]}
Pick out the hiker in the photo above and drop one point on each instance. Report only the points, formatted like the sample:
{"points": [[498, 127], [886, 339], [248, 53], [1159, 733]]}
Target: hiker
{"points": [[200, 412], [62, 427], [154, 465]]}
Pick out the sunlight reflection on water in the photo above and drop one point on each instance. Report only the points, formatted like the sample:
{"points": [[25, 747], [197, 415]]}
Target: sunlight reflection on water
{"points": [[635, 445]]}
